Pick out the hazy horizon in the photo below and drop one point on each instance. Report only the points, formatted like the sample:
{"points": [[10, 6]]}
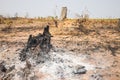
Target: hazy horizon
{"points": [[44, 8]]}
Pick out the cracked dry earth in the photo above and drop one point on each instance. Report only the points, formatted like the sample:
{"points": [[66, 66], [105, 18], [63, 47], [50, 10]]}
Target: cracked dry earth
{"points": [[83, 57]]}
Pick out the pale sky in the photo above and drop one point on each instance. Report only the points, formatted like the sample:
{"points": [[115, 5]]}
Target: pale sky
{"points": [[35, 8]]}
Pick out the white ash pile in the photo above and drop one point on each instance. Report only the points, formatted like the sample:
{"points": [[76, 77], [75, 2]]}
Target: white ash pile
{"points": [[62, 64]]}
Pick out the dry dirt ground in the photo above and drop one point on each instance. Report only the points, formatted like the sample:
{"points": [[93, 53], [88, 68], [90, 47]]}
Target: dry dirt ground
{"points": [[95, 46]]}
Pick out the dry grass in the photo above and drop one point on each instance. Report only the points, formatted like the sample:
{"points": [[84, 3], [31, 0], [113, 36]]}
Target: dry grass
{"points": [[67, 27]]}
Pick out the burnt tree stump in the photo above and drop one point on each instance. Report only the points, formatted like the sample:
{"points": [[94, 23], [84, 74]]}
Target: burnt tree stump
{"points": [[43, 41]]}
